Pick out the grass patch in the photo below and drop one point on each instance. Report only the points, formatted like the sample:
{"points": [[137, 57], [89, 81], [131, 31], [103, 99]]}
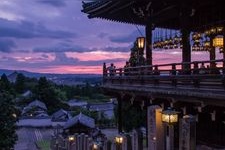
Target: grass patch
{"points": [[43, 144]]}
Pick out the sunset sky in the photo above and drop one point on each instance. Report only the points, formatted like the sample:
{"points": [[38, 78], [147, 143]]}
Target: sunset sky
{"points": [[54, 36]]}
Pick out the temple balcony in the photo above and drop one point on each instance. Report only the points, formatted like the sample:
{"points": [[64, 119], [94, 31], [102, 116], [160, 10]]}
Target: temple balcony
{"points": [[171, 81]]}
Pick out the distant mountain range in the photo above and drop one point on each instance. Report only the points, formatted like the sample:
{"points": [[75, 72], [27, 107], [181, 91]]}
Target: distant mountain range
{"points": [[37, 75], [69, 79]]}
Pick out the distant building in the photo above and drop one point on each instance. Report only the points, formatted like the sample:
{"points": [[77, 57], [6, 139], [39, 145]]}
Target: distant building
{"points": [[28, 93], [60, 117], [107, 109], [35, 109], [77, 103], [80, 124], [12, 77]]}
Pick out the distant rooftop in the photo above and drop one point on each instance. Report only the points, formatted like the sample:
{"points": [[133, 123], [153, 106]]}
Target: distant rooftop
{"points": [[38, 103], [82, 119], [101, 106], [75, 102], [61, 115]]}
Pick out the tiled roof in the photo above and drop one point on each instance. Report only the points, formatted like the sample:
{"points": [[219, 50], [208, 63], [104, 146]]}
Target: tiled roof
{"points": [[38, 103], [101, 106], [82, 119], [60, 113]]}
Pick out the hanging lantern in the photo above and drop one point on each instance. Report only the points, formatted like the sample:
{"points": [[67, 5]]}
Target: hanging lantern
{"points": [[170, 43], [176, 39], [219, 30], [196, 46], [196, 36], [221, 50], [206, 45], [166, 44], [207, 33], [154, 45], [141, 42], [218, 41], [213, 31], [180, 41]]}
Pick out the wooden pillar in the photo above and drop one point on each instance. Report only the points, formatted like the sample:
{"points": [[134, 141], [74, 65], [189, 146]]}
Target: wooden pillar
{"points": [[146, 122], [119, 112], [186, 50], [185, 31], [224, 49], [148, 32], [212, 52]]}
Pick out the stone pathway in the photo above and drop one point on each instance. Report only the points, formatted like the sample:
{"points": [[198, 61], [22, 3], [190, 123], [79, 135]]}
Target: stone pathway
{"points": [[27, 137]]}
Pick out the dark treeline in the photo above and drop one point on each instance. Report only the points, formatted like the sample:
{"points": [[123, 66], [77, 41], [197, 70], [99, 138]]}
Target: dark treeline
{"points": [[53, 95]]}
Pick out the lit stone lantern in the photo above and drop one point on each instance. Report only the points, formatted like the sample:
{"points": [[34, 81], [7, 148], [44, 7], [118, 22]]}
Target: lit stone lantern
{"points": [[119, 141], [169, 116], [95, 146], [71, 138]]}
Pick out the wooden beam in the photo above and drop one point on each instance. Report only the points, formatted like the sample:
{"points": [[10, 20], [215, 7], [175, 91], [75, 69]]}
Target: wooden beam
{"points": [[185, 31], [98, 8], [105, 10], [212, 52], [148, 32]]}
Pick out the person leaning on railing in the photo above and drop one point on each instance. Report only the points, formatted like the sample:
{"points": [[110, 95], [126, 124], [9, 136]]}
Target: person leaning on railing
{"points": [[112, 69], [156, 71], [202, 69]]}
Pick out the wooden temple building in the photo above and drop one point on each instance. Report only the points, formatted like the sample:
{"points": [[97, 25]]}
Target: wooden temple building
{"points": [[201, 24]]}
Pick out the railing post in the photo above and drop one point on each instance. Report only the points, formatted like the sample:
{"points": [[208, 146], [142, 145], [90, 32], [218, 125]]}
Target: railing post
{"points": [[121, 72], [173, 73], [156, 72], [174, 70], [223, 80], [224, 66], [196, 69], [196, 72]]}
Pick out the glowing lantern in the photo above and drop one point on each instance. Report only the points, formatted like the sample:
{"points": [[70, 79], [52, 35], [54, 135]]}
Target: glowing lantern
{"points": [[169, 116], [218, 41], [219, 30], [119, 139], [95, 146], [71, 138], [141, 42]]}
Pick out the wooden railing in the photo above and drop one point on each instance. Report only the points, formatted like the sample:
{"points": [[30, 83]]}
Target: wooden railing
{"points": [[175, 74]]}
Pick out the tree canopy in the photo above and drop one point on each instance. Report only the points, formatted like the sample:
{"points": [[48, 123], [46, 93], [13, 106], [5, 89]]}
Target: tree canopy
{"points": [[8, 120]]}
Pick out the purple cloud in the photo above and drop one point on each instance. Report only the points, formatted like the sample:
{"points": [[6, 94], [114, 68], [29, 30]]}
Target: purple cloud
{"points": [[28, 30], [55, 3], [125, 38], [69, 47], [6, 45], [103, 35]]}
